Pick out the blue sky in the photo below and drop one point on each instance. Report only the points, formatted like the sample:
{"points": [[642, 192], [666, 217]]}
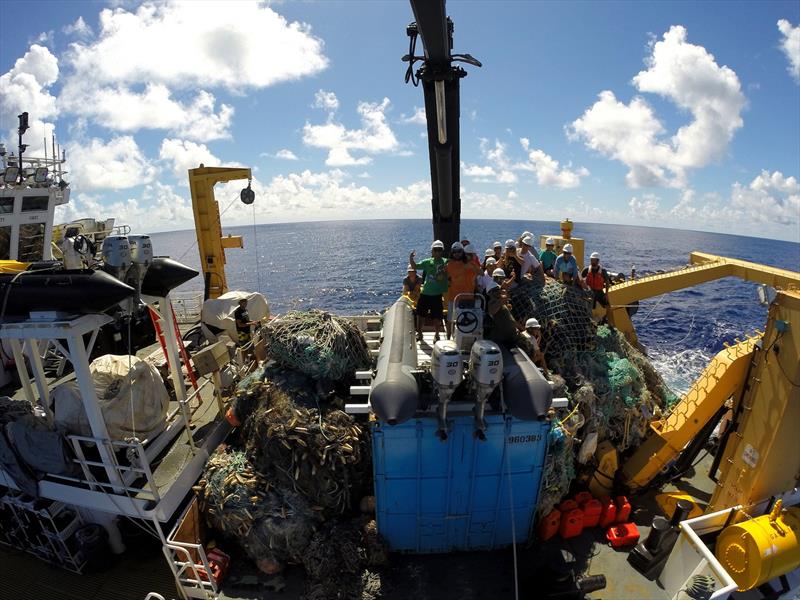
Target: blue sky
{"points": [[683, 114]]}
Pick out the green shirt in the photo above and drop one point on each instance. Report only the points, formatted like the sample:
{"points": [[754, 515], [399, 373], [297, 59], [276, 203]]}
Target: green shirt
{"points": [[435, 276], [548, 258]]}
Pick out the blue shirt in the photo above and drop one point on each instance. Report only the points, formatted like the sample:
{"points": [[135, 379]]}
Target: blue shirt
{"points": [[568, 266]]}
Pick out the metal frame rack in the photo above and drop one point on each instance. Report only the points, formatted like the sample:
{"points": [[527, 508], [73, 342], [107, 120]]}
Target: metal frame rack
{"points": [[43, 528]]}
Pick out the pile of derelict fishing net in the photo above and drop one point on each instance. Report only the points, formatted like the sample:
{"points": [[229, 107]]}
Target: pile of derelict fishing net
{"points": [[289, 494], [271, 523], [613, 389], [274, 526], [317, 343], [321, 454]]}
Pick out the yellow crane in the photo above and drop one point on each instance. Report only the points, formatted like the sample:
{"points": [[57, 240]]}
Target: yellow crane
{"points": [[747, 372], [210, 241]]}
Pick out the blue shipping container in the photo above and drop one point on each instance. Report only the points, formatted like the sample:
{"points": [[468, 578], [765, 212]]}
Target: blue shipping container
{"points": [[435, 496]]}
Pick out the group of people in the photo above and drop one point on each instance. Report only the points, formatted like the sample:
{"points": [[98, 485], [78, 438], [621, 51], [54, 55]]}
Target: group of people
{"points": [[503, 266]]}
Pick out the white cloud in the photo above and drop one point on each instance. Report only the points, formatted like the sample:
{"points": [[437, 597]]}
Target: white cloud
{"points": [[502, 169], [512, 195], [117, 164], [326, 100], [133, 74], [418, 118], [687, 75], [645, 208], [285, 154], [770, 198], [25, 87], [790, 44], [374, 136], [174, 210], [195, 44], [79, 29], [184, 155], [120, 109]]}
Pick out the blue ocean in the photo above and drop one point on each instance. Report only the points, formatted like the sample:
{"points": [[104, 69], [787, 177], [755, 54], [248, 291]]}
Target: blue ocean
{"points": [[357, 267]]}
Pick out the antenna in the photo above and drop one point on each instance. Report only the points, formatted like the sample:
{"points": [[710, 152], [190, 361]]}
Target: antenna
{"points": [[23, 127]]}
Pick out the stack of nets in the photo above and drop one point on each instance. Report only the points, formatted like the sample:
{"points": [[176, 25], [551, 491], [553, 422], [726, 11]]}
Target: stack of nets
{"points": [[317, 343], [564, 312], [324, 456], [338, 558], [612, 385], [271, 523]]}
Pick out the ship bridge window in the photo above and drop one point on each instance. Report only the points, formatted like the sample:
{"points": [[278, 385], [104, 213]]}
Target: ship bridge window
{"points": [[31, 242], [6, 206], [5, 243], [34, 203]]}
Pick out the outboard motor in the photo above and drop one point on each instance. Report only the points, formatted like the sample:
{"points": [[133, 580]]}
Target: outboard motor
{"points": [[116, 254], [486, 367], [447, 370], [141, 257]]}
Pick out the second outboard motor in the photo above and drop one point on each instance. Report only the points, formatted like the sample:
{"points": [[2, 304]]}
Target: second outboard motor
{"points": [[116, 254], [526, 393], [394, 394], [486, 367], [447, 370]]}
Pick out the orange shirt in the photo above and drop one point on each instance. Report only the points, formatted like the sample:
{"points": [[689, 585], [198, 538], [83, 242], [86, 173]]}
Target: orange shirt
{"points": [[462, 277]]}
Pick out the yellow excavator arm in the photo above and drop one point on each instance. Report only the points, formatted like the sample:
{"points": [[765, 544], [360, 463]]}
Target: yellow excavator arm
{"points": [[208, 227]]}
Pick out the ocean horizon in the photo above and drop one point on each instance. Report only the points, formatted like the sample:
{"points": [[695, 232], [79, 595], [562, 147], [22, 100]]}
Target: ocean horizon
{"points": [[357, 267]]}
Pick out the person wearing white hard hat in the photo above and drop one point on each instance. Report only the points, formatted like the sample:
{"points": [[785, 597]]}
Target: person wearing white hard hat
{"points": [[533, 339], [511, 263], [500, 325], [472, 254], [498, 250], [461, 274], [548, 256], [412, 285], [485, 277], [429, 305], [565, 268], [598, 280], [530, 260]]}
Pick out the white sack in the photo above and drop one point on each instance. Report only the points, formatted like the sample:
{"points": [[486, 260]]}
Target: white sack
{"points": [[133, 402], [219, 312]]}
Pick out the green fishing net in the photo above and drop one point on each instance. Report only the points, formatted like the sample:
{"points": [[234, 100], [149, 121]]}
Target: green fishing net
{"points": [[317, 343]]}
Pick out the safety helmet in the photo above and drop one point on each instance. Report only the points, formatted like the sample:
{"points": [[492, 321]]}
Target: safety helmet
{"points": [[511, 243], [456, 246], [532, 323], [490, 262], [437, 244], [526, 234], [527, 240], [497, 245], [489, 252], [549, 242], [469, 249], [498, 273], [568, 248], [595, 255]]}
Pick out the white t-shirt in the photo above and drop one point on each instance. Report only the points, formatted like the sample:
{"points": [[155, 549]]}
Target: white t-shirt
{"points": [[529, 262], [482, 281], [532, 340]]}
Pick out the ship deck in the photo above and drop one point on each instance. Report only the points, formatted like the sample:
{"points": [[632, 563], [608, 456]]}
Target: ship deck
{"points": [[143, 569]]}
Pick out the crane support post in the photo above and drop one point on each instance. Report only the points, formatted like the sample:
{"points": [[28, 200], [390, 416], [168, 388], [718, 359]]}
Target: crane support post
{"points": [[723, 378], [761, 457], [208, 226], [441, 86]]}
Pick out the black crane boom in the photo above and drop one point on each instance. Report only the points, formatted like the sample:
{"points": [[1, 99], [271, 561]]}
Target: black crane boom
{"points": [[440, 83]]}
